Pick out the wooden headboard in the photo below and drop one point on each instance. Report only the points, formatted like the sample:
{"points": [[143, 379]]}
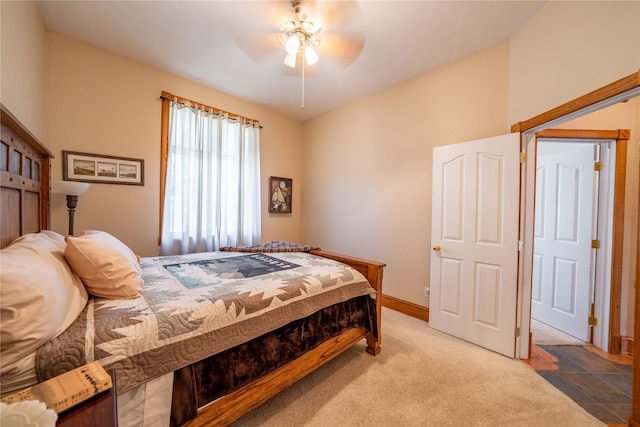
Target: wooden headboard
{"points": [[24, 177]]}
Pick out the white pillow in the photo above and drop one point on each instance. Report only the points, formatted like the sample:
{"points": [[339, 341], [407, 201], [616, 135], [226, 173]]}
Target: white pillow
{"points": [[40, 296], [108, 268]]}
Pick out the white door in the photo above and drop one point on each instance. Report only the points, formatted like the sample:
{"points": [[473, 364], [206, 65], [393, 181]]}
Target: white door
{"points": [[474, 232], [562, 282]]}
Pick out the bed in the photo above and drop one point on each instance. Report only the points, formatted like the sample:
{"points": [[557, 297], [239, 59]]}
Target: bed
{"points": [[230, 329]]}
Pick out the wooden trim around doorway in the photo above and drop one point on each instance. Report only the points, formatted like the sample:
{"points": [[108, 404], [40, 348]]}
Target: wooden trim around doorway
{"points": [[634, 421], [627, 345], [615, 346], [621, 136], [616, 88]]}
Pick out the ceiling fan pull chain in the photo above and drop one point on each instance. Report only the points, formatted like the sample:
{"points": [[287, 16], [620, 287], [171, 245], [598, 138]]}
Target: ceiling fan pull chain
{"points": [[304, 59]]}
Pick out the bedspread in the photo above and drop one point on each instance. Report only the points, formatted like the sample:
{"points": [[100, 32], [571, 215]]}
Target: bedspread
{"points": [[193, 306]]}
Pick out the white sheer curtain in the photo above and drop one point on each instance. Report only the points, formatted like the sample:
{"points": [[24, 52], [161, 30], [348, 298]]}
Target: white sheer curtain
{"points": [[212, 196]]}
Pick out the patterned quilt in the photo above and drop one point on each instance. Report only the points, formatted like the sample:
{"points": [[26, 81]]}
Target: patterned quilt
{"points": [[273, 246], [193, 306]]}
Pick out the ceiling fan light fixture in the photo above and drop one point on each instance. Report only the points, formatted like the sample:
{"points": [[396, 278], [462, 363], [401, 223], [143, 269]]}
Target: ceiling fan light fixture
{"points": [[310, 55], [309, 27], [287, 26], [290, 60], [300, 36], [293, 44]]}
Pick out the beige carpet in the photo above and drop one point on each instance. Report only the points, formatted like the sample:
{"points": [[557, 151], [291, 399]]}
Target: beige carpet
{"points": [[543, 334], [421, 378]]}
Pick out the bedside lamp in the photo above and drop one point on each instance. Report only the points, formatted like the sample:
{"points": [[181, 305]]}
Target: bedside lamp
{"points": [[72, 189]]}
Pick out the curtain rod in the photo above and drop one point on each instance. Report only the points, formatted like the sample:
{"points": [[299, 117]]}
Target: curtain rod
{"points": [[171, 97]]}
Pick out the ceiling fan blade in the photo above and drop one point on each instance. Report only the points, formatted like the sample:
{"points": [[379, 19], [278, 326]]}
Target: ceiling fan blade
{"points": [[341, 49], [334, 14], [343, 32], [258, 14], [259, 47], [258, 35]]}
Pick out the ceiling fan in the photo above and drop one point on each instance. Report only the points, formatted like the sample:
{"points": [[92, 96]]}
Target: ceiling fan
{"points": [[300, 36], [325, 34]]}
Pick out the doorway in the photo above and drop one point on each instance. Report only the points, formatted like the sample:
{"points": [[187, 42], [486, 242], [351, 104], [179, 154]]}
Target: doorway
{"points": [[606, 333], [613, 93], [572, 235]]}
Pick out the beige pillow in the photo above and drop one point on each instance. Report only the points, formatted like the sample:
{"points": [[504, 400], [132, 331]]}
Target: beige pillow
{"points": [[40, 296], [107, 267]]}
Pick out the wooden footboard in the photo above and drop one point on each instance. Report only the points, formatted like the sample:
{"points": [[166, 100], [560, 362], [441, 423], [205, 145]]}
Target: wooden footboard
{"points": [[231, 407], [373, 272]]}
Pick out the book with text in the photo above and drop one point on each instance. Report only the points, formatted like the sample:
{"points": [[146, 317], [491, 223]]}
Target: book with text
{"points": [[66, 390]]}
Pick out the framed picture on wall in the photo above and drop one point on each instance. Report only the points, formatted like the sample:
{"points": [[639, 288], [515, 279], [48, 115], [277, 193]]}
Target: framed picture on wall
{"points": [[89, 167], [280, 192]]}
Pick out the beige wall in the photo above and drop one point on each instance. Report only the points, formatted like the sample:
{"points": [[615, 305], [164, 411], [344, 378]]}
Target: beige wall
{"points": [[367, 165], [99, 102], [569, 49], [22, 63]]}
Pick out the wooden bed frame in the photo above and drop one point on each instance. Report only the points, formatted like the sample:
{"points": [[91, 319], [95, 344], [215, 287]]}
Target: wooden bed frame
{"points": [[25, 209], [234, 405], [24, 177]]}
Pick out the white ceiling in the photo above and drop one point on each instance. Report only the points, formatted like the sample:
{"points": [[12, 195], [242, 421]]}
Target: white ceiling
{"points": [[233, 45]]}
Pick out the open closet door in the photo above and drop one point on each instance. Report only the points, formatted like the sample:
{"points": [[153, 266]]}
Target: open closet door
{"points": [[474, 232]]}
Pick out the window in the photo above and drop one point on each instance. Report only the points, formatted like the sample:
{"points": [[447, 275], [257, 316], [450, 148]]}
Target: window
{"points": [[210, 172]]}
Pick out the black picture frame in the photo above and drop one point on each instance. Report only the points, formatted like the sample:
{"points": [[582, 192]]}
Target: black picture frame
{"points": [[99, 168], [280, 194]]}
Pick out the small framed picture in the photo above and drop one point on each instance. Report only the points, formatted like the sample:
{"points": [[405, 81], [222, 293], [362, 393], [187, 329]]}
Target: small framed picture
{"points": [[280, 192], [99, 168]]}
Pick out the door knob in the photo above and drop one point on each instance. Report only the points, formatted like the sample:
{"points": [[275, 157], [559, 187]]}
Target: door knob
{"points": [[436, 248]]}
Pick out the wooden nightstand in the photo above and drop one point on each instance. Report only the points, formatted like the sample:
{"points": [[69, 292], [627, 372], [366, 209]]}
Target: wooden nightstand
{"points": [[99, 411]]}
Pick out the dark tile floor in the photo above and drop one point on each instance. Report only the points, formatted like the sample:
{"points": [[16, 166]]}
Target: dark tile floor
{"points": [[601, 386]]}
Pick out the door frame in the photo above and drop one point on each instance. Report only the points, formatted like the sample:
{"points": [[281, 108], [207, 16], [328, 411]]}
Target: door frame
{"points": [[598, 278], [615, 237], [615, 92]]}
